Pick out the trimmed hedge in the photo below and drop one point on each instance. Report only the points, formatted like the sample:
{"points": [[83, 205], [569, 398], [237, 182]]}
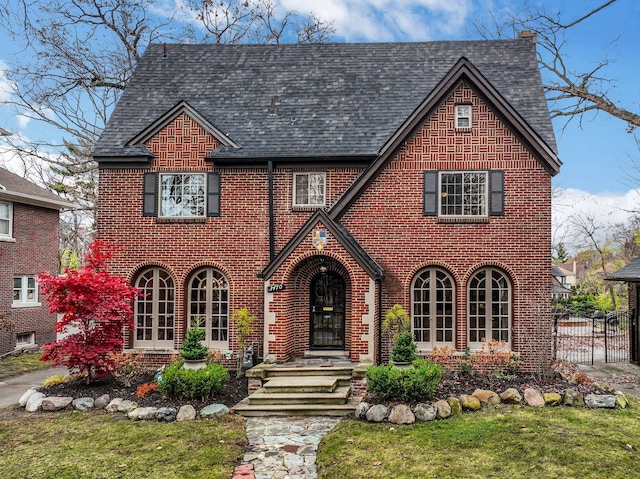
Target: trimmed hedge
{"points": [[200, 384], [412, 384]]}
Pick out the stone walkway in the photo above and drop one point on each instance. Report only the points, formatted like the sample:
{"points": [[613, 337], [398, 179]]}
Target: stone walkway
{"points": [[283, 447]]}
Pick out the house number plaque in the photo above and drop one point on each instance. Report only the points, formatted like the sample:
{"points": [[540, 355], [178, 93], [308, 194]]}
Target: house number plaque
{"points": [[275, 287]]}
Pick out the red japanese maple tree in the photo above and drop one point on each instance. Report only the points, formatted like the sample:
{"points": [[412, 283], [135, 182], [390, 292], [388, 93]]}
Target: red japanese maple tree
{"points": [[96, 307]]}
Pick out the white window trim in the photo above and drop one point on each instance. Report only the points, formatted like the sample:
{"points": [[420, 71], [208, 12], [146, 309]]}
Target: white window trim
{"points": [[309, 205], [428, 346], [440, 193], [25, 303], [30, 342], [460, 116], [9, 236], [175, 173], [477, 345]]}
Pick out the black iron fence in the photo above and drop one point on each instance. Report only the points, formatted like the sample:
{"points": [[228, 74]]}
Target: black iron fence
{"points": [[584, 339]]}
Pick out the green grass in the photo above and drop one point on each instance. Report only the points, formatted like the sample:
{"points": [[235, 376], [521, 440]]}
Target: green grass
{"points": [[518, 442], [27, 362], [94, 445]]}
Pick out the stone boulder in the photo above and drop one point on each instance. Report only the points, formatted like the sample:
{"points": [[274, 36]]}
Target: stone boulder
{"points": [[533, 398], [114, 404], [552, 399], [166, 414], [443, 409], [511, 396], [470, 403], [25, 397], [55, 403], [377, 413], [455, 405], [83, 404], [425, 412], [486, 398], [143, 413], [606, 401], [102, 402], [361, 410], [127, 406], [573, 398], [214, 410], [401, 414], [35, 402], [186, 413]]}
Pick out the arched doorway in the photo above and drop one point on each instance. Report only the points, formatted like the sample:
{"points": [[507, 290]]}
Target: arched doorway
{"points": [[327, 311]]}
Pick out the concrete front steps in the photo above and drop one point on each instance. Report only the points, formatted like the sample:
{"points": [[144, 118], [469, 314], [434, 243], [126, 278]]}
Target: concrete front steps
{"points": [[300, 391]]}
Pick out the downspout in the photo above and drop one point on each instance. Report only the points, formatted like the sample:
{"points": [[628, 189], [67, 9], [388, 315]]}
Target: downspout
{"points": [[379, 354], [272, 245]]}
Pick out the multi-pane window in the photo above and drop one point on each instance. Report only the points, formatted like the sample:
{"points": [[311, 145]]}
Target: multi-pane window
{"points": [[489, 307], [309, 189], [209, 306], [463, 116], [25, 339], [25, 290], [463, 193], [182, 195], [433, 309], [155, 310], [5, 219]]}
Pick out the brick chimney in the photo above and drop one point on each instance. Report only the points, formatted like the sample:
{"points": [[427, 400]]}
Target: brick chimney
{"points": [[527, 35]]}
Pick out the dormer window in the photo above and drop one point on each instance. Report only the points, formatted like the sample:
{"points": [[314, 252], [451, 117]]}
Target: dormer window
{"points": [[463, 116], [309, 190]]}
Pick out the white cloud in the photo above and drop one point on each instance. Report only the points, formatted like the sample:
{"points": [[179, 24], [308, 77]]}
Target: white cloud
{"points": [[388, 20], [607, 210]]}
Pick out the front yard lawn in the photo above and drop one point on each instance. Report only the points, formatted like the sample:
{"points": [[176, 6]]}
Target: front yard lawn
{"points": [[74, 445], [514, 442], [24, 363]]}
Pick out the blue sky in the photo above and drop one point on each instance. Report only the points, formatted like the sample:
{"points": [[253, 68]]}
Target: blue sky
{"points": [[599, 157]]}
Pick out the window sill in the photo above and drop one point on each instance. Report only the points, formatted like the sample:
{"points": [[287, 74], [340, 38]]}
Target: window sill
{"points": [[181, 220], [25, 305], [7, 239], [306, 208], [465, 220]]}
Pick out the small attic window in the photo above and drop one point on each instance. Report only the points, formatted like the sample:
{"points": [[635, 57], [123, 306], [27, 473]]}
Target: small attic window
{"points": [[463, 116]]}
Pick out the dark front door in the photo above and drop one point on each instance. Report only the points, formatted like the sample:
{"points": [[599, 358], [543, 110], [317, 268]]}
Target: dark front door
{"points": [[327, 311]]}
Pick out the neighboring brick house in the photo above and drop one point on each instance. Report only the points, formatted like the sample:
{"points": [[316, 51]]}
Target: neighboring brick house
{"points": [[318, 185], [29, 245]]}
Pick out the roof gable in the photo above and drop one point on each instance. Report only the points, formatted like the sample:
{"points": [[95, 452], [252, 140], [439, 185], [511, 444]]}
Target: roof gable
{"points": [[172, 114], [339, 232], [463, 71]]}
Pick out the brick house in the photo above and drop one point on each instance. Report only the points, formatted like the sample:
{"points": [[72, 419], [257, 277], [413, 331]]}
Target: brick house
{"points": [[318, 185], [29, 245]]}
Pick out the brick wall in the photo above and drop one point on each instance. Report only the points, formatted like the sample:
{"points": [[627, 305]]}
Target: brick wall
{"points": [[34, 251]]}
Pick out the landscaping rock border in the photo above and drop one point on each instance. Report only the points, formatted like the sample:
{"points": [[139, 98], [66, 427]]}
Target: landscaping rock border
{"points": [[33, 400], [482, 399]]}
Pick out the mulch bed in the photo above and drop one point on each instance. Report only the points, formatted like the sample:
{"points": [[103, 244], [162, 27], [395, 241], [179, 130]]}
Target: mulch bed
{"points": [[233, 393]]}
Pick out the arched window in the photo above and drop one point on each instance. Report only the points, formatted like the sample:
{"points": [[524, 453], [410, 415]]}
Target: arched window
{"points": [[209, 306], [433, 308], [489, 307], [155, 313]]}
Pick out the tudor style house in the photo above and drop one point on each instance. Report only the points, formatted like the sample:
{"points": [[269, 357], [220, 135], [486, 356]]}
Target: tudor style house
{"points": [[29, 245], [318, 185]]}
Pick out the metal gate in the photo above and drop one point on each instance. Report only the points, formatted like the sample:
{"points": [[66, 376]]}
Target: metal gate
{"points": [[584, 340]]}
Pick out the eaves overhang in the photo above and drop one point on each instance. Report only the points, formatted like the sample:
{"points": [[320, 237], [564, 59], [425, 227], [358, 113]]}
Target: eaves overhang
{"points": [[53, 204]]}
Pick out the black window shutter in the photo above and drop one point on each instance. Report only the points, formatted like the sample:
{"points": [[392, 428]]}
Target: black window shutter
{"points": [[497, 192], [430, 193], [150, 195], [213, 194]]}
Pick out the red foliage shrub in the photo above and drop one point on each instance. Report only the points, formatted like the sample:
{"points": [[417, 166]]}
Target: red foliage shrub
{"points": [[96, 305], [145, 389]]}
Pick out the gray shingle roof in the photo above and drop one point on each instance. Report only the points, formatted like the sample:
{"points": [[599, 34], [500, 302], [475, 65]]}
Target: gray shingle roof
{"points": [[630, 273], [17, 189], [331, 100]]}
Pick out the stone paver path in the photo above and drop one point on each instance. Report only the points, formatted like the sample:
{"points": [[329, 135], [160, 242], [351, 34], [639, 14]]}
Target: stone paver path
{"points": [[283, 447]]}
